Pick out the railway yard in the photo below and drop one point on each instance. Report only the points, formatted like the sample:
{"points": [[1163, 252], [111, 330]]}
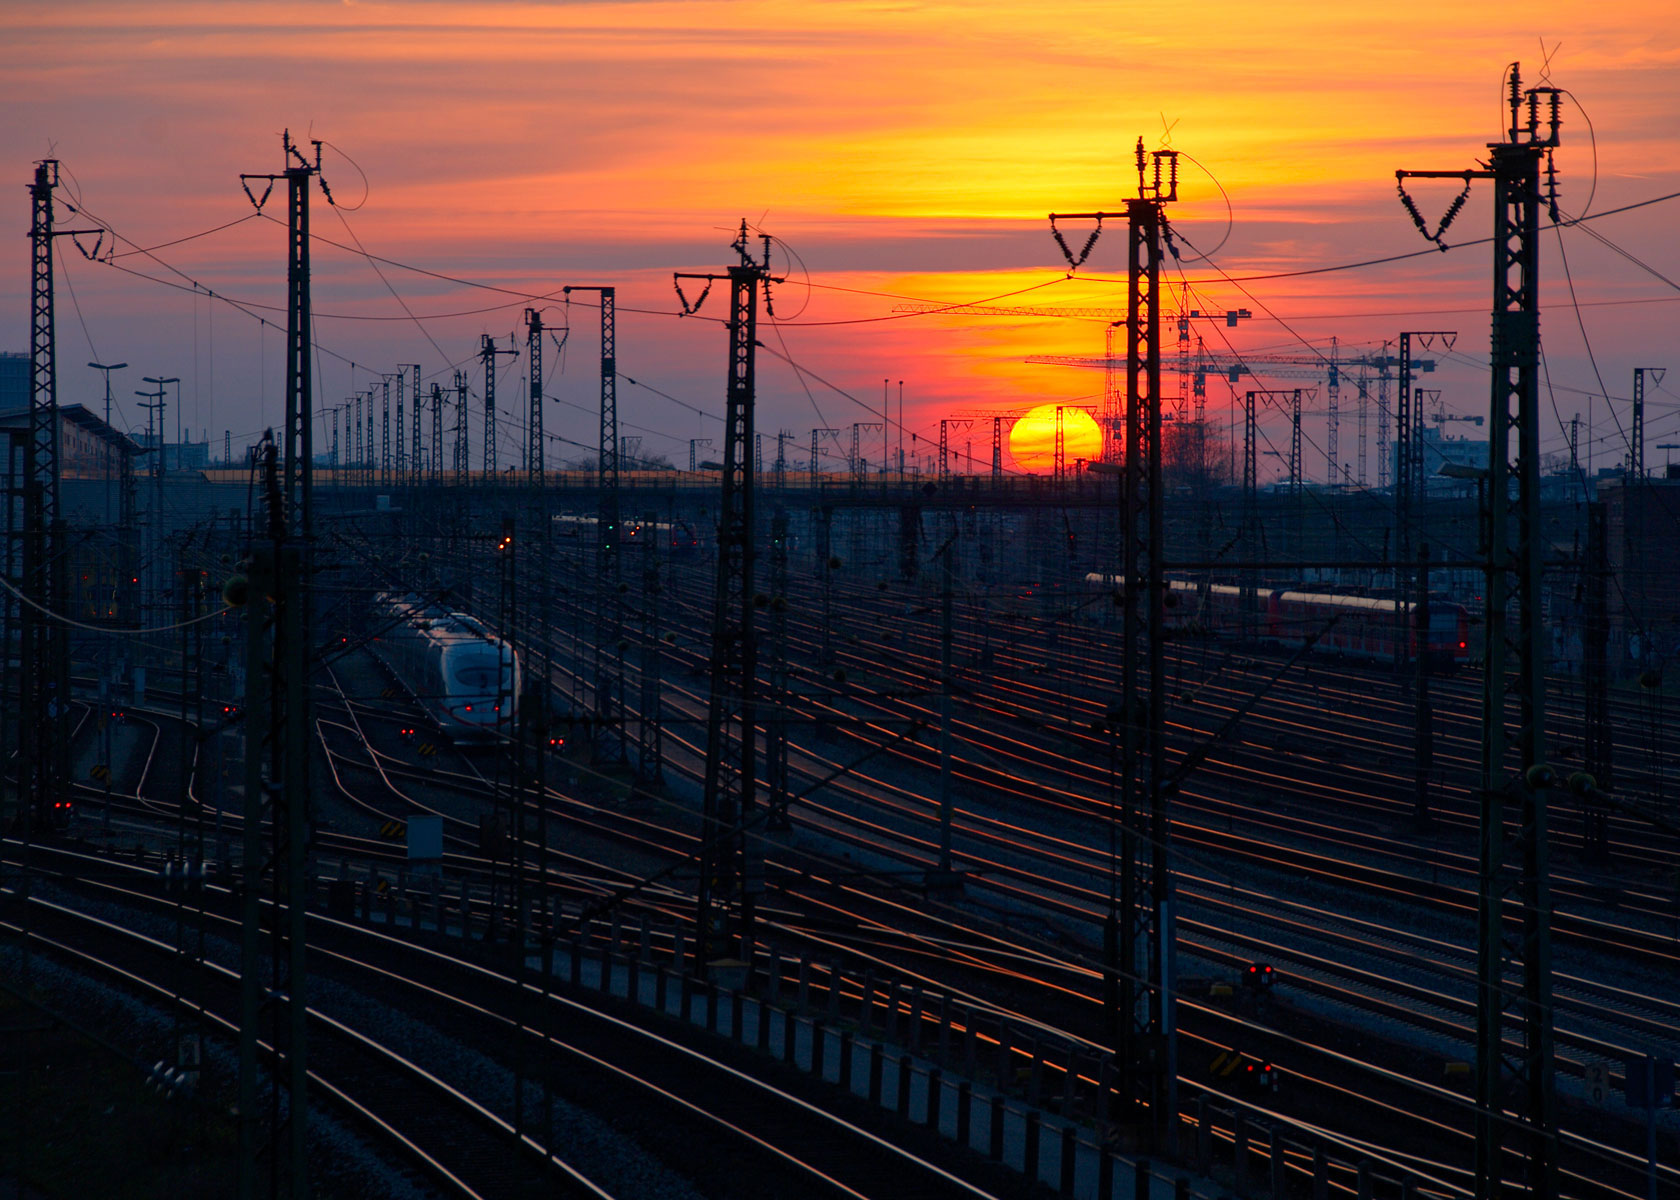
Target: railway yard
{"points": [[923, 1003]]}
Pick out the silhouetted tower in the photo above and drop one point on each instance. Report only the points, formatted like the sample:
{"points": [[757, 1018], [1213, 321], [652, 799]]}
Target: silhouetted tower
{"points": [[385, 379], [488, 352], [281, 727], [44, 681], [437, 432], [609, 608], [1636, 435], [460, 428], [1145, 1023], [1383, 412], [534, 423], [411, 371], [1408, 430], [1516, 1101], [816, 449], [728, 881], [1332, 433]]}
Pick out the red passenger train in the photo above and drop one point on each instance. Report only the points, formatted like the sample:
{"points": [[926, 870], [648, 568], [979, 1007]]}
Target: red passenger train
{"points": [[1358, 627]]}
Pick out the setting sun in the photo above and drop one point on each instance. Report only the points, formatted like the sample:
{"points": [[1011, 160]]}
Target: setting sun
{"points": [[1032, 440]]}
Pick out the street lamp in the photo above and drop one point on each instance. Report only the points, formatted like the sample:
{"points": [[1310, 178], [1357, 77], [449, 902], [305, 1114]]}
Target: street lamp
{"points": [[108, 369], [159, 385]]}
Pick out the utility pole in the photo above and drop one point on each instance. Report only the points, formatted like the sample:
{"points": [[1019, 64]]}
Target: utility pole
{"points": [[371, 462], [816, 449], [44, 679], [461, 429], [782, 439], [1333, 394], [694, 445], [534, 424], [1636, 435], [1145, 1023], [488, 351], [609, 621], [1408, 426], [412, 370], [1516, 1100], [281, 731], [399, 462], [1383, 471], [436, 472], [385, 427], [728, 881]]}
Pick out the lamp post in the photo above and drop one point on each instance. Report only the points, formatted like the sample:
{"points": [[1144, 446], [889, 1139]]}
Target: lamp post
{"points": [[108, 368], [158, 383]]}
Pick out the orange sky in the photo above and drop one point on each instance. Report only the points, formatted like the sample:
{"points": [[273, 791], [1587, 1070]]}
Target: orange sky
{"points": [[908, 150]]}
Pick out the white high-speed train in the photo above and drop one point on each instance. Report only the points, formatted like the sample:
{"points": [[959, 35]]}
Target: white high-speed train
{"points": [[464, 676]]}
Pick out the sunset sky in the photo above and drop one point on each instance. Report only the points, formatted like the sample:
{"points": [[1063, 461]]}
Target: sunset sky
{"points": [[898, 152]]}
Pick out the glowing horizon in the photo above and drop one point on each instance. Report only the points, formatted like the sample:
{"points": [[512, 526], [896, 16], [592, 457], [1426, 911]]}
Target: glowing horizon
{"points": [[900, 155]]}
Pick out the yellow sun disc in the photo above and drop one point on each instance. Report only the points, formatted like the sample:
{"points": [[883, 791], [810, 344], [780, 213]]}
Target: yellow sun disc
{"points": [[1032, 440]]}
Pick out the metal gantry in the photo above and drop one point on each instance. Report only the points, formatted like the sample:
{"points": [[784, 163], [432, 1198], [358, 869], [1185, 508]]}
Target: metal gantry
{"points": [[728, 880], [1145, 1025], [1516, 1099]]}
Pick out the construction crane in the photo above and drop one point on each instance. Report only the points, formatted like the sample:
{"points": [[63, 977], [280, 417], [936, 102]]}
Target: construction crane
{"points": [[1233, 367], [1111, 419]]}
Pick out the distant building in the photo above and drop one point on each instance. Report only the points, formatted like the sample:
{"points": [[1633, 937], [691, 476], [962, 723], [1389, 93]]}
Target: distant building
{"points": [[88, 448], [101, 568], [177, 456], [14, 381], [1438, 451]]}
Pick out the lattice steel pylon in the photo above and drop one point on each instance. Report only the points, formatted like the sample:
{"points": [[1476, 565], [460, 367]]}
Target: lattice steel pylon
{"points": [[1516, 1102], [280, 733], [609, 743], [488, 352], [728, 881], [460, 428], [1408, 441], [534, 423], [385, 425], [415, 457], [1145, 1023], [44, 654]]}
